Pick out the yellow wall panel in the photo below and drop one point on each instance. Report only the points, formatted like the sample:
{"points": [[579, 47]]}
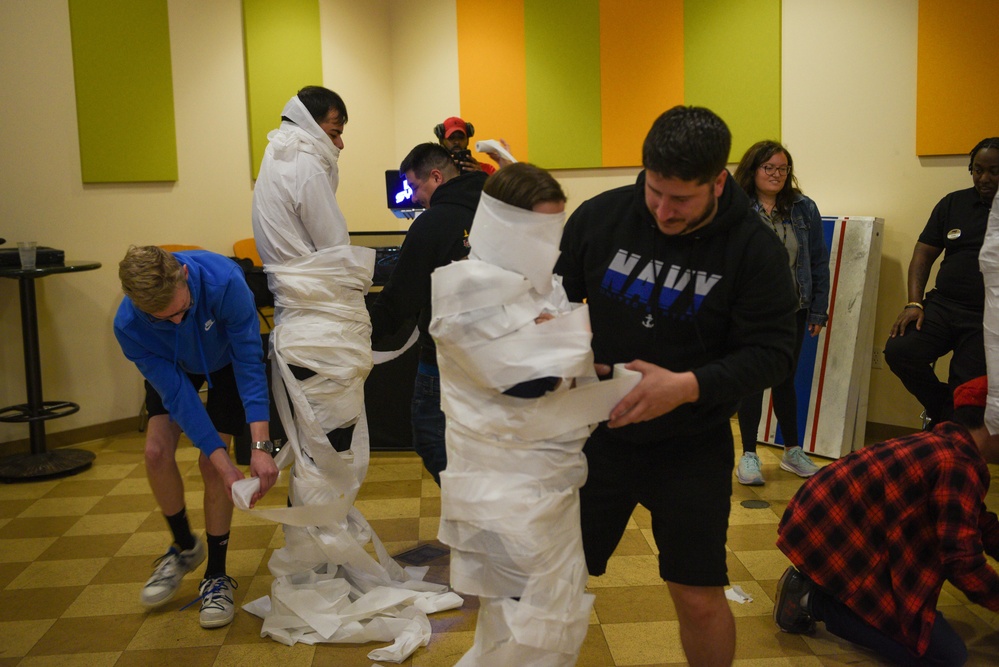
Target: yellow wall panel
{"points": [[563, 82], [124, 90], [732, 63], [283, 52]]}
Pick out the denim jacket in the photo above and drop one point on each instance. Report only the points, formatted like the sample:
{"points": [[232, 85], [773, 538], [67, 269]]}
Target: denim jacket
{"points": [[813, 259]]}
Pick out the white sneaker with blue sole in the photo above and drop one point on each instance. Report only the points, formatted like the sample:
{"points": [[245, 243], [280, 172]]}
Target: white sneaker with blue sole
{"points": [[796, 460], [170, 570], [748, 472]]}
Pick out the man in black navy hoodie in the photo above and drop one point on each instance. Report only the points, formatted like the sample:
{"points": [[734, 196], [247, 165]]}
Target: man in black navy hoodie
{"points": [[686, 286]]}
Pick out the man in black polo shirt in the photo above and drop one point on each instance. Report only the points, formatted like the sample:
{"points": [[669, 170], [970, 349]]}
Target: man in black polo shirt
{"points": [[949, 317]]}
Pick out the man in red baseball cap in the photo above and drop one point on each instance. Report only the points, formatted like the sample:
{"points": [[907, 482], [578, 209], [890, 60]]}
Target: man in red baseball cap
{"points": [[453, 134], [873, 536]]}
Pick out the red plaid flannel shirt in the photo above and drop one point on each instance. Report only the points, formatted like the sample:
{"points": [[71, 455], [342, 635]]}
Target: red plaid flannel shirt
{"points": [[882, 528]]}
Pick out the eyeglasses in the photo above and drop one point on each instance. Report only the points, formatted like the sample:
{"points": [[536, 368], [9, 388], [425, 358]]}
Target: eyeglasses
{"points": [[182, 311], [769, 169]]}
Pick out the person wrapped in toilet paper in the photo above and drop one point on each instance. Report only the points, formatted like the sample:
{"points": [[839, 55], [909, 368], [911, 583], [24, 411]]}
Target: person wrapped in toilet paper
{"points": [[988, 262], [327, 586], [515, 364], [318, 279]]}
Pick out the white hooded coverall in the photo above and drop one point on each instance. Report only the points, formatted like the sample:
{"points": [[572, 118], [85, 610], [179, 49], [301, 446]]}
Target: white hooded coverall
{"points": [[327, 587]]}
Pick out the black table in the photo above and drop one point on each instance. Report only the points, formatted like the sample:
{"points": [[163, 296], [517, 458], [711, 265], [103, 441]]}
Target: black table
{"points": [[40, 463]]}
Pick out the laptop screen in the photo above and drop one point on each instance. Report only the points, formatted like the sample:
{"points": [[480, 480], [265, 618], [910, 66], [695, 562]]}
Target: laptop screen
{"points": [[398, 193]]}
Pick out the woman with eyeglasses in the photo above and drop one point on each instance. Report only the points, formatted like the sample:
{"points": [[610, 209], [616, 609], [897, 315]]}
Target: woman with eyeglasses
{"points": [[766, 174]]}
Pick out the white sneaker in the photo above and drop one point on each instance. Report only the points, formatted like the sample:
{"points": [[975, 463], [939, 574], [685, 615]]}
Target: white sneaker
{"points": [[796, 460], [170, 569], [217, 608], [748, 472]]}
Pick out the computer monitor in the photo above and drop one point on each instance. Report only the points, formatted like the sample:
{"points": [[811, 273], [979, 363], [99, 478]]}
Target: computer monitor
{"points": [[387, 246], [399, 195]]}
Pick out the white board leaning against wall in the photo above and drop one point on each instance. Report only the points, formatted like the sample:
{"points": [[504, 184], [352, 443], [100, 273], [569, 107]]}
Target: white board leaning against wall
{"points": [[834, 369]]}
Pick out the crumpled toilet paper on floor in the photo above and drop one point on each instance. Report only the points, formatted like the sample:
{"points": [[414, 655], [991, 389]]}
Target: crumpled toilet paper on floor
{"points": [[736, 594], [327, 587], [510, 492]]}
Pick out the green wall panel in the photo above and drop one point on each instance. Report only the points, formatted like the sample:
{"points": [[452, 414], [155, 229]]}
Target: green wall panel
{"points": [[562, 44], [124, 90], [732, 61], [283, 55]]}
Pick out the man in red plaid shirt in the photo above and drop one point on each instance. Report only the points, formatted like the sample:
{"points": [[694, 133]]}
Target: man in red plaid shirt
{"points": [[874, 535]]}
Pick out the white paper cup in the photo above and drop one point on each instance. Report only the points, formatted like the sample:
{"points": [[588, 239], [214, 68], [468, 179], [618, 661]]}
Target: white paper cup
{"points": [[27, 251]]}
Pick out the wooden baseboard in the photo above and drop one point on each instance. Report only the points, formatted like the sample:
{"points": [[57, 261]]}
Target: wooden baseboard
{"points": [[73, 436]]}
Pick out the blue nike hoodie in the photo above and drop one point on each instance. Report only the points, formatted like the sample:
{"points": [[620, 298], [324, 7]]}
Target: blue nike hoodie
{"points": [[220, 328]]}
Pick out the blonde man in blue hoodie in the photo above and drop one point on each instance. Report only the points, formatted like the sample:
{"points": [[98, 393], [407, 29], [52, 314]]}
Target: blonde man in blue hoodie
{"points": [[186, 319]]}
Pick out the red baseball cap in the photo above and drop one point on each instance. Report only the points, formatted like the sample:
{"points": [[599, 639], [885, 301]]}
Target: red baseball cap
{"points": [[454, 124], [972, 393]]}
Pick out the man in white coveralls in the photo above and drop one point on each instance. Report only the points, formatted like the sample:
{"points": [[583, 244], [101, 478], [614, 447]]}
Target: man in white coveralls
{"points": [[322, 354]]}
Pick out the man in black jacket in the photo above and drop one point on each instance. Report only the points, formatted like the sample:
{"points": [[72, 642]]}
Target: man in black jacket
{"points": [[686, 285], [437, 237]]}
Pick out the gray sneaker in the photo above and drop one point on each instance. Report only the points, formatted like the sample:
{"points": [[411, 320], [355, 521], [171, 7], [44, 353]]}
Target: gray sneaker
{"points": [[217, 608], [748, 472], [796, 460], [170, 569]]}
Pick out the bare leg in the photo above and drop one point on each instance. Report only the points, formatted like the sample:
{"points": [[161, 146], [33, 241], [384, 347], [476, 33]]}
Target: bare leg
{"points": [[168, 488], [707, 628], [218, 504], [162, 472]]}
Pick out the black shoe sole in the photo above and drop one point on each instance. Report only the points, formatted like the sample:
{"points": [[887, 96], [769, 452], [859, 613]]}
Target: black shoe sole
{"points": [[788, 612]]}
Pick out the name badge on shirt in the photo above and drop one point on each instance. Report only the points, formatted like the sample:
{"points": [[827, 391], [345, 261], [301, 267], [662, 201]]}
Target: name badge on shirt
{"points": [[953, 234]]}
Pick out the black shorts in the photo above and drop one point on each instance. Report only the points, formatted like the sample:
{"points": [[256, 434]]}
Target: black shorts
{"points": [[685, 483], [225, 407]]}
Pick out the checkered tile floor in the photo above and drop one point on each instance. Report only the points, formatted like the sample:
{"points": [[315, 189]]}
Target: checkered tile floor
{"points": [[75, 552]]}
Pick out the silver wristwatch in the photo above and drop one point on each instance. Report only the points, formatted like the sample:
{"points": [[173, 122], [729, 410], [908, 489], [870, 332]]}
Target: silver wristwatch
{"points": [[263, 445]]}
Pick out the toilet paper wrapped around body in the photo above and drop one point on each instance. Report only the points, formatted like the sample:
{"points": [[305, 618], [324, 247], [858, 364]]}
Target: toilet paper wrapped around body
{"points": [[988, 261], [510, 492], [327, 587]]}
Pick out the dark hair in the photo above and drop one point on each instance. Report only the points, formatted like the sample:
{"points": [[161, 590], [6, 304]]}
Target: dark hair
{"points": [[320, 101], [745, 173], [426, 157], [984, 144], [523, 185], [689, 143], [969, 416]]}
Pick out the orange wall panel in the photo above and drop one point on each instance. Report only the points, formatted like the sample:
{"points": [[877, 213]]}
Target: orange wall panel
{"points": [[641, 72], [492, 79], [957, 75]]}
